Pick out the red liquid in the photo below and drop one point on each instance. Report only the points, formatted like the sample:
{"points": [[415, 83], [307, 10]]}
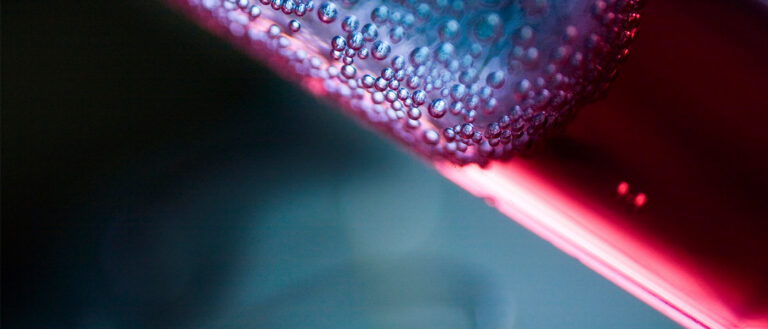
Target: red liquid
{"points": [[685, 125]]}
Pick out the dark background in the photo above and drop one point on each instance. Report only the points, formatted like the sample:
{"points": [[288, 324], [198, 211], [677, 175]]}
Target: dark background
{"points": [[153, 177]]}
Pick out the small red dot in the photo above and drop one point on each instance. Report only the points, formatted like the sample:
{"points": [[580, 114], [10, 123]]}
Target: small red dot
{"points": [[640, 199], [623, 188]]}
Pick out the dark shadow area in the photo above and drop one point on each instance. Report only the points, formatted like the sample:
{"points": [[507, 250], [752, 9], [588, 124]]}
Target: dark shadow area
{"points": [[112, 111]]}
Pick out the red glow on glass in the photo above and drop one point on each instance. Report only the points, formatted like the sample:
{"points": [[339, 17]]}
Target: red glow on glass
{"points": [[622, 189], [640, 200], [314, 86], [595, 234]]}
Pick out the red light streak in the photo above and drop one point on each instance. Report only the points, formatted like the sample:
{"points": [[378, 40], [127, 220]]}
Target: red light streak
{"points": [[648, 270]]}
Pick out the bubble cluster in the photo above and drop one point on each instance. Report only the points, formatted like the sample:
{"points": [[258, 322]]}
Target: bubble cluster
{"points": [[464, 80]]}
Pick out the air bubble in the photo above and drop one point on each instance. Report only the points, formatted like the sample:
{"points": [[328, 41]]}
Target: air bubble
{"points": [[387, 73], [445, 52], [413, 82], [380, 50], [301, 10], [431, 137], [350, 23], [395, 17], [408, 20], [380, 14], [493, 130], [283, 42], [468, 76], [485, 92], [332, 71], [390, 96], [363, 53], [394, 84], [336, 55], [437, 108], [288, 7], [255, 12], [495, 79], [467, 130], [419, 97], [276, 4], [396, 34], [523, 86], [294, 26], [457, 108], [403, 94], [400, 75], [491, 105], [423, 11], [348, 71], [398, 106], [381, 84], [419, 56], [274, 31], [414, 113], [472, 102], [377, 97], [370, 32], [458, 91], [525, 35], [368, 81], [449, 30], [470, 115], [449, 134], [338, 43], [489, 26], [461, 147], [355, 40], [327, 12], [315, 62]]}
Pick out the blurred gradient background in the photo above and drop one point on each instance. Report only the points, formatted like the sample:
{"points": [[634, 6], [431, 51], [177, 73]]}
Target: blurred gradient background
{"points": [[154, 177]]}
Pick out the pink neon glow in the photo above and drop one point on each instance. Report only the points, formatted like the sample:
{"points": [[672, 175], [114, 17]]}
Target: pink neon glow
{"points": [[640, 199], [649, 271], [622, 189]]}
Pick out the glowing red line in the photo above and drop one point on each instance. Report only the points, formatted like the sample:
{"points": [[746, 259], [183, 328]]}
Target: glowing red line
{"points": [[647, 272]]}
